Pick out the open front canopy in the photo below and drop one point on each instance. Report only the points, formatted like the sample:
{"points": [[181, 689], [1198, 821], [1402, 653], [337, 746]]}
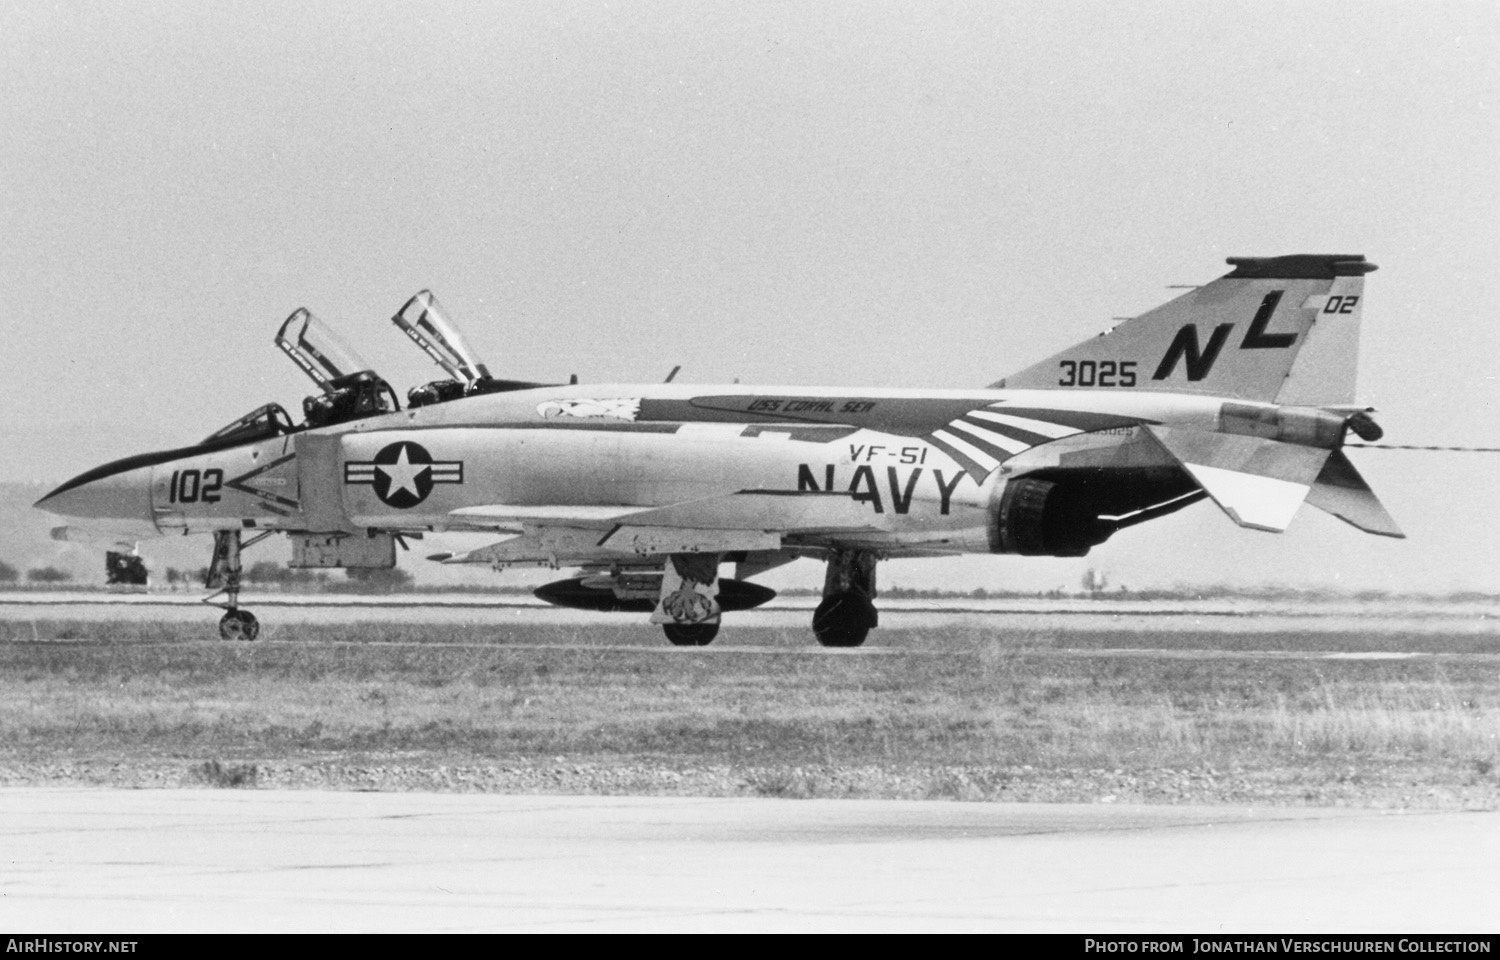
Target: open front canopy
{"points": [[317, 350]]}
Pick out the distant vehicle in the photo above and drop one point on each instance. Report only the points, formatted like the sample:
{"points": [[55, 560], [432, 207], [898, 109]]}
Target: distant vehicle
{"points": [[124, 568], [1241, 391]]}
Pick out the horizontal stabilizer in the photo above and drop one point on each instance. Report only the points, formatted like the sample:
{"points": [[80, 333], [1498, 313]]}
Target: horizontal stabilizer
{"points": [[1259, 483], [1341, 491]]}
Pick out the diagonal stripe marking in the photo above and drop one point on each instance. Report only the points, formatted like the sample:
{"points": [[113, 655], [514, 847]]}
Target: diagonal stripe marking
{"points": [[1053, 430], [967, 449], [959, 457], [1008, 444]]}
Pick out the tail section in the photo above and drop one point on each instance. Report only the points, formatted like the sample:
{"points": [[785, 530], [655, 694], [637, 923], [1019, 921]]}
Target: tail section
{"points": [[1275, 329]]}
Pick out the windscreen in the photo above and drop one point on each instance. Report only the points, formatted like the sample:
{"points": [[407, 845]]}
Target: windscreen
{"points": [[267, 421], [423, 319], [317, 350]]}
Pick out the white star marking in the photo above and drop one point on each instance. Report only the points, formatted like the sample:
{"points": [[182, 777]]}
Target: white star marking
{"points": [[403, 474]]}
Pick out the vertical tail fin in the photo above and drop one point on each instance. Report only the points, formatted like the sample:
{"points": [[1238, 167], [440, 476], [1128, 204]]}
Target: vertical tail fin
{"points": [[1276, 329]]}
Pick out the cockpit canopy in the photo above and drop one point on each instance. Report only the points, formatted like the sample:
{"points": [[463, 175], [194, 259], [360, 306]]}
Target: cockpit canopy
{"points": [[423, 319], [350, 388], [316, 349]]}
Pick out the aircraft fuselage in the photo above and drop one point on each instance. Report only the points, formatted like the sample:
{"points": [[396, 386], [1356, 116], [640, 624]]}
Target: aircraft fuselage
{"points": [[905, 468]]}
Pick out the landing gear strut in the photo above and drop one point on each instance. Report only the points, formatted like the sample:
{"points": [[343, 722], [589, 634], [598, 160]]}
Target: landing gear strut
{"points": [[224, 573], [847, 614]]}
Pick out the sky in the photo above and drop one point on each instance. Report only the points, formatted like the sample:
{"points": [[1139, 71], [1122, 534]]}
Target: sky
{"points": [[918, 194]]}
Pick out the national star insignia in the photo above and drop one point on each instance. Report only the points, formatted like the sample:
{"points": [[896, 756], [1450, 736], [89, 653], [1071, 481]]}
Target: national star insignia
{"points": [[403, 473]]}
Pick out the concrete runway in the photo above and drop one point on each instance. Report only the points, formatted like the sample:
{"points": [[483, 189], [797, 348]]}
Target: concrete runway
{"points": [[1240, 616], [121, 861]]}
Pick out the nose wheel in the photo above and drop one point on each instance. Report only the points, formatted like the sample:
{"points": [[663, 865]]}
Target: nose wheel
{"points": [[224, 573], [237, 624]]}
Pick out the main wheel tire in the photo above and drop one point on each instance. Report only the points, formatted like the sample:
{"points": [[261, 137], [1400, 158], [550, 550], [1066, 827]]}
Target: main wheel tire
{"points": [[690, 634], [843, 620], [239, 625]]}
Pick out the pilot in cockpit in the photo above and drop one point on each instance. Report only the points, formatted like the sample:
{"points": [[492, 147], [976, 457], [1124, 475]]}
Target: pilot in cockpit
{"points": [[359, 394]]}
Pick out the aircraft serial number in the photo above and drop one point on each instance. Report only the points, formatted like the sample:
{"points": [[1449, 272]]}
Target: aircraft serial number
{"points": [[190, 486], [1096, 373]]}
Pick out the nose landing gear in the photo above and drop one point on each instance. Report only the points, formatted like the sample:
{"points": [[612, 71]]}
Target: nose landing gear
{"points": [[224, 574]]}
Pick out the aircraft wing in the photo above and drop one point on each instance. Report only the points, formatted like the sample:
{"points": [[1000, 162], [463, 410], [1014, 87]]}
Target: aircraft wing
{"points": [[507, 517], [745, 510], [784, 511], [743, 521]]}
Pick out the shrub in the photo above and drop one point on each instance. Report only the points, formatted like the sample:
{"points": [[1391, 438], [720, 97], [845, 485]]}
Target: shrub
{"points": [[377, 580], [48, 575], [216, 774]]}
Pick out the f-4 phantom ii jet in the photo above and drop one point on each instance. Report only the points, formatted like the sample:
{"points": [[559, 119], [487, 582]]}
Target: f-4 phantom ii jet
{"points": [[1240, 391]]}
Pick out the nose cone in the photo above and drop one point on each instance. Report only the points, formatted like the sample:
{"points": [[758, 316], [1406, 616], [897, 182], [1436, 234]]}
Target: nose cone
{"points": [[113, 499]]}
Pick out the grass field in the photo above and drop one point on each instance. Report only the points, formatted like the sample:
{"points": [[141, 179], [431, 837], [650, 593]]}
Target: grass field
{"points": [[954, 713]]}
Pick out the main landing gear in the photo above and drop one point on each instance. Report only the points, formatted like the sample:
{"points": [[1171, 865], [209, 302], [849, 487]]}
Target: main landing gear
{"points": [[690, 634], [689, 609], [847, 614], [692, 598], [224, 574]]}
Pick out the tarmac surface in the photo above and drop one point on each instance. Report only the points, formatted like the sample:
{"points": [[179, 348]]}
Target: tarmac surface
{"points": [[1157, 616], [138, 861], [93, 860]]}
